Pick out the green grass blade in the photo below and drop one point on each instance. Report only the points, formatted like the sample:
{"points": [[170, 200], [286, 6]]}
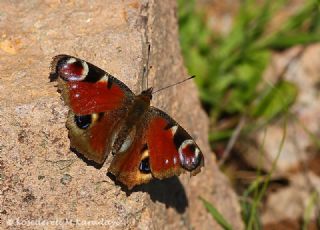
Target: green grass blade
{"points": [[286, 41], [312, 203], [216, 215], [276, 101], [265, 185]]}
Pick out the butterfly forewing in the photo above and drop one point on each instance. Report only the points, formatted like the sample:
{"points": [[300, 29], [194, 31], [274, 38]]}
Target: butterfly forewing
{"points": [[171, 149], [88, 89], [97, 101]]}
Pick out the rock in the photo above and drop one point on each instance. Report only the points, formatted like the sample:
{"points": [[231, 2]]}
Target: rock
{"points": [[41, 179]]}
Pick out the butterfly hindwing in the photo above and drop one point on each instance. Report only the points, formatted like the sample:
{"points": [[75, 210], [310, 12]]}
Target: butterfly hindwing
{"points": [[91, 135], [97, 101], [161, 148], [131, 167]]}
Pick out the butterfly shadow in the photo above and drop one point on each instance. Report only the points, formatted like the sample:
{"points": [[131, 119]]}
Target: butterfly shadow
{"points": [[168, 191], [88, 162]]}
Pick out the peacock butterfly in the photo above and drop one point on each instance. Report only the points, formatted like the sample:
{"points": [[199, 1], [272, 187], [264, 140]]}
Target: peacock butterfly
{"points": [[107, 117]]}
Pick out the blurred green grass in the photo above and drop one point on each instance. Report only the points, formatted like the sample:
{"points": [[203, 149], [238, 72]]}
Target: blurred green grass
{"points": [[229, 68], [229, 71]]}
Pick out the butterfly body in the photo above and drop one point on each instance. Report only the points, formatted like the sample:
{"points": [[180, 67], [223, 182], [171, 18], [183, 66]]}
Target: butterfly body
{"points": [[135, 116], [107, 117]]}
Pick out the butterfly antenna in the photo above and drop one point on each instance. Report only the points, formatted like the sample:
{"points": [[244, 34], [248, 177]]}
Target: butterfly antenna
{"points": [[146, 68], [174, 84]]}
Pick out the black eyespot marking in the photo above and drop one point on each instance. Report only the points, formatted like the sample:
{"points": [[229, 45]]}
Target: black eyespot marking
{"points": [[179, 137], [100, 116], [83, 121], [145, 166], [190, 155], [110, 82], [94, 74]]}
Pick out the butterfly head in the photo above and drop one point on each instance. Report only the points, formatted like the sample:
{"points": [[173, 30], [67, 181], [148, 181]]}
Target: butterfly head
{"points": [[147, 94]]}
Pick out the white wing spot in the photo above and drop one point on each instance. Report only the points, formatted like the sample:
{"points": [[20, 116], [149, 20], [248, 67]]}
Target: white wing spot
{"points": [[196, 154], [174, 129], [105, 79], [71, 60], [85, 70], [126, 144], [174, 160]]}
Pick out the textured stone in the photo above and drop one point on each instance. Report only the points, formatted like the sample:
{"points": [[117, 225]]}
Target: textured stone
{"points": [[41, 179]]}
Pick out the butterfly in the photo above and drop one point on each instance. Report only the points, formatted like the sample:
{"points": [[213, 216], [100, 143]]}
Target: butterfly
{"points": [[106, 117]]}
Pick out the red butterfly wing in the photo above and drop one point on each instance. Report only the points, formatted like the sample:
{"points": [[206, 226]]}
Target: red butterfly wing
{"points": [[125, 165], [88, 89], [160, 149], [97, 101], [171, 149], [92, 134]]}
